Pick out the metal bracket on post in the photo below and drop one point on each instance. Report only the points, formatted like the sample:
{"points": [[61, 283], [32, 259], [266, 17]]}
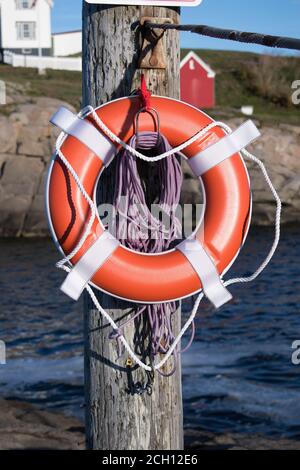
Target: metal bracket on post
{"points": [[153, 54]]}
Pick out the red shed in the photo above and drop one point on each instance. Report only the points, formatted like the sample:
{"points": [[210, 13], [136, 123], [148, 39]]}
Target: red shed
{"points": [[197, 82]]}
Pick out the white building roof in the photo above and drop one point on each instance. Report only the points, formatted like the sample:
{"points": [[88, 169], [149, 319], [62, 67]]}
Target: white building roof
{"points": [[50, 2]]}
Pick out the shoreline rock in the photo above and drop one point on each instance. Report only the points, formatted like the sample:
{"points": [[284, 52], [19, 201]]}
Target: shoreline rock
{"points": [[205, 440], [23, 426], [27, 144], [26, 427], [279, 149]]}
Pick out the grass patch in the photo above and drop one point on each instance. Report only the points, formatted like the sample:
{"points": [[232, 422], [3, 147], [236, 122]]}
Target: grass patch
{"points": [[242, 79], [60, 84], [264, 82]]}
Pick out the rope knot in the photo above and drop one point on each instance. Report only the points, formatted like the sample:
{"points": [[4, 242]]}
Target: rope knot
{"points": [[145, 94], [115, 334]]}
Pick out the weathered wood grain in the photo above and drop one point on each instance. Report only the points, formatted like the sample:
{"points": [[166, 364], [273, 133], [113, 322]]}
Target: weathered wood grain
{"points": [[114, 419]]}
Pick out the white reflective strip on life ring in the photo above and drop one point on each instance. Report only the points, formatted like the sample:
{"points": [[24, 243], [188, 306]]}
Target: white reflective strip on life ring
{"points": [[84, 131], [224, 148], [206, 270], [88, 264]]}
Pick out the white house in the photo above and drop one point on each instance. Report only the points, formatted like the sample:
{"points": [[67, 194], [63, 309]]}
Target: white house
{"points": [[68, 43], [25, 26]]}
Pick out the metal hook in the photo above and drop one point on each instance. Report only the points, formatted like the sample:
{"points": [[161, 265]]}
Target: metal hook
{"points": [[154, 115]]}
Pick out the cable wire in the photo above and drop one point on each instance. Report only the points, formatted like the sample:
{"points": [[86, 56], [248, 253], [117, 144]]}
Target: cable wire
{"points": [[266, 40]]}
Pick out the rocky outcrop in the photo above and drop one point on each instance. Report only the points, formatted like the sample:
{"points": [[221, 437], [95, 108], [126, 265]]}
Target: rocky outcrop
{"points": [[22, 426], [27, 142], [25, 427], [279, 149], [205, 440]]}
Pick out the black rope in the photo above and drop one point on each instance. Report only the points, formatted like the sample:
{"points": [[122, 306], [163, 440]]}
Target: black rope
{"points": [[233, 35]]}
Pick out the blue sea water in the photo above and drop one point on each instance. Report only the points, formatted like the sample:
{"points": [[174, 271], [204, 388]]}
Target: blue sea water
{"points": [[237, 376]]}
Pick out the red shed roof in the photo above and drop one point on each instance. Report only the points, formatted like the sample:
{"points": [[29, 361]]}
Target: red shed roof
{"points": [[206, 67]]}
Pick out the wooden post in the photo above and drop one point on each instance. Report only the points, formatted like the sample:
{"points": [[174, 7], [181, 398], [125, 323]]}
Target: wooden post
{"points": [[116, 420]]}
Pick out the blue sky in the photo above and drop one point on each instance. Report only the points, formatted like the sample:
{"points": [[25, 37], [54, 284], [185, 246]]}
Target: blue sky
{"points": [[280, 17]]}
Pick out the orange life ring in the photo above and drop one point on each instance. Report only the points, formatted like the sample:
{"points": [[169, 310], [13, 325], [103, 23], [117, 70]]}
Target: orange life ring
{"points": [[166, 276]]}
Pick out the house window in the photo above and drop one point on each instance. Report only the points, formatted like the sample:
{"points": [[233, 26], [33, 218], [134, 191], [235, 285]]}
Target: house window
{"points": [[23, 4], [192, 64], [26, 30]]}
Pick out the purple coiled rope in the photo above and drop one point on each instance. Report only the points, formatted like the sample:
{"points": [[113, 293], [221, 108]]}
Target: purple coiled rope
{"points": [[135, 224], [139, 229]]}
